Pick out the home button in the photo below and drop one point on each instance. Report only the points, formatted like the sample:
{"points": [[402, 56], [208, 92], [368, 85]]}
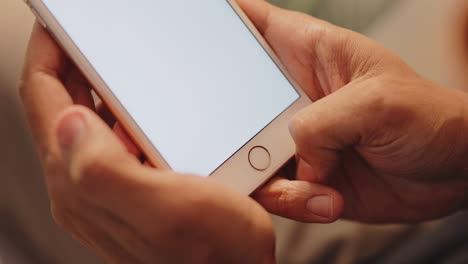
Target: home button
{"points": [[259, 158]]}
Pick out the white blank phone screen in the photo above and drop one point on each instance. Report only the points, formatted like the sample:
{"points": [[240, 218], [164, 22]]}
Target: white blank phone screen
{"points": [[190, 73]]}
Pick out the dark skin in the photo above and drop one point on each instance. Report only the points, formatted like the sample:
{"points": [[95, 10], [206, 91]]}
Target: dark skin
{"points": [[380, 144]]}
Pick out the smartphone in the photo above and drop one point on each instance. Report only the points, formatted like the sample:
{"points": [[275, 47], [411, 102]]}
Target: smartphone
{"points": [[193, 82]]}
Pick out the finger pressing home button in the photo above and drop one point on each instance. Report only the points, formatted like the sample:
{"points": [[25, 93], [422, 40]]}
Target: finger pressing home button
{"points": [[259, 158]]}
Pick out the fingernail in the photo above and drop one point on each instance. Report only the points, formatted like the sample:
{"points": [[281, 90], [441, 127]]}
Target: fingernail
{"points": [[70, 131], [321, 206]]}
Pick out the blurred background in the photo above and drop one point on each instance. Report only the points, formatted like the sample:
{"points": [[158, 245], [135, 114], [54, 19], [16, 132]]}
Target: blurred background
{"points": [[356, 14], [429, 35]]}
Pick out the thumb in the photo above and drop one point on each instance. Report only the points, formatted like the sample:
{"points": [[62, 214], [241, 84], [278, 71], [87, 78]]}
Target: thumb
{"points": [[89, 148], [300, 200], [327, 127]]}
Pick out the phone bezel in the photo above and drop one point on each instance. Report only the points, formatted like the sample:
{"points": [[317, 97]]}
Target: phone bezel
{"points": [[236, 171]]}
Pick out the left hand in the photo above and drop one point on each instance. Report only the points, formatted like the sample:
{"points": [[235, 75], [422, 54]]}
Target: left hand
{"points": [[123, 210]]}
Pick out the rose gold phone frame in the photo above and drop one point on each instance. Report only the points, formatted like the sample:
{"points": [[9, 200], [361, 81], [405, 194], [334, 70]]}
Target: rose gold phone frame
{"points": [[236, 171]]}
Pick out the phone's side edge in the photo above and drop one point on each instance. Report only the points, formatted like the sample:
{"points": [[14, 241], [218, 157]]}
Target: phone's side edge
{"points": [[265, 45], [99, 86]]}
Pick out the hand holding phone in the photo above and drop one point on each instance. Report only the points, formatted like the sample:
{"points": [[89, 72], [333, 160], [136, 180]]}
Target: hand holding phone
{"points": [[193, 83], [124, 211], [109, 183]]}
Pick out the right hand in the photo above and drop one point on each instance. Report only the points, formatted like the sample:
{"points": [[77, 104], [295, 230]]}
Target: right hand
{"points": [[394, 145]]}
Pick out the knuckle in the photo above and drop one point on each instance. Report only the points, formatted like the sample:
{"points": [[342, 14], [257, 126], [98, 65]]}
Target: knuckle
{"points": [[387, 99], [29, 77], [317, 34], [22, 88], [60, 216], [307, 129], [300, 127], [386, 106], [375, 100], [383, 91], [66, 219]]}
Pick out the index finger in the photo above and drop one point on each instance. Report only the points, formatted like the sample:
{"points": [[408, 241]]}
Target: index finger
{"points": [[42, 91]]}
